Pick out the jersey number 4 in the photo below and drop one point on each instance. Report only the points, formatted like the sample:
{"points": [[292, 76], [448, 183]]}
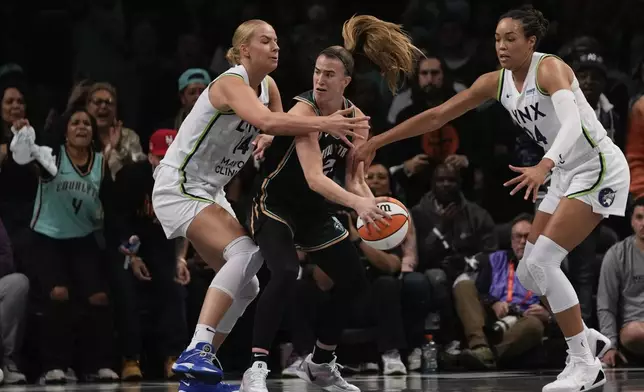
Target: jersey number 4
{"points": [[244, 145], [77, 204], [536, 135]]}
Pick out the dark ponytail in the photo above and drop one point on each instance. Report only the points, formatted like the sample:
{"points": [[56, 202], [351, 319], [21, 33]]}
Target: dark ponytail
{"points": [[532, 20]]}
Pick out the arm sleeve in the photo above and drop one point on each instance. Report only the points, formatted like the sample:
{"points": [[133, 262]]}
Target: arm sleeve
{"points": [[567, 112]]}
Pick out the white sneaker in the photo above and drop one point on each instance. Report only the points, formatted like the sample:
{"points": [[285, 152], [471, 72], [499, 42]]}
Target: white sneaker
{"points": [[12, 375], [54, 376], [598, 345], [291, 370], [393, 365], [415, 360], [326, 376], [579, 376], [369, 367], [254, 379], [107, 375]]}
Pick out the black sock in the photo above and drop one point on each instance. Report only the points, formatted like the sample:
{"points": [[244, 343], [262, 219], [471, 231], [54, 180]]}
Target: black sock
{"points": [[258, 357], [321, 355]]}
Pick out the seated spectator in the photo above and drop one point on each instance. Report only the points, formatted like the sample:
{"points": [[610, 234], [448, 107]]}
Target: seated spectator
{"points": [[191, 84], [621, 294], [413, 160], [14, 290], [156, 262], [449, 229], [496, 294], [416, 290], [64, 260], [120, 145]]}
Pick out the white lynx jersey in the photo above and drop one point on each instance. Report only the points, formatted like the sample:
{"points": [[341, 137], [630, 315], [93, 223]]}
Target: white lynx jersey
{"points": [[212, 146], [532, 109]]}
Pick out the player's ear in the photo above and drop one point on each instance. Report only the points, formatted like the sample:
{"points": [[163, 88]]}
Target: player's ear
{"points": [[533, 42]]}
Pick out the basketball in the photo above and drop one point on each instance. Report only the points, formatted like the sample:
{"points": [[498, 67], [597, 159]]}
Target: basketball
{"points": [[390, 236]]}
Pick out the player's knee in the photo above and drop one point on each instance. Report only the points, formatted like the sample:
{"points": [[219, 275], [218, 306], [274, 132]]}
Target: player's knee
{"points": [[632, 334], [59, 294], [98, 299], [525, 277], [249, 292]]}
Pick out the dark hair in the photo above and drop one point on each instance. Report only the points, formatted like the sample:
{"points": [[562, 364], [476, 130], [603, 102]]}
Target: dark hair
{"points": [[385, 44], [58, 133], [522, 217], [532, 20], [639, 202]]}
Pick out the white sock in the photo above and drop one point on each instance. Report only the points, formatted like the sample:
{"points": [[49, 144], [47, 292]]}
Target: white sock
{"points": [[578, 346], [203, 334]]}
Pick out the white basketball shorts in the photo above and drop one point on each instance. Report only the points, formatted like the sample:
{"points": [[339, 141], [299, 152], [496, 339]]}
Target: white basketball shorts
{"points": [[177, 201], [602, 182]]}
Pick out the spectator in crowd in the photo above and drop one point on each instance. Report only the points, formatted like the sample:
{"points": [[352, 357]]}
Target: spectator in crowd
{"points": [[120, 145], [591, 72], [64, 260], [495, 294], [449, 229], [415, 290], [635, 147], [191, 84], [17, 183], [620, 298], [412, 161], [159, 261], [14, 291]]}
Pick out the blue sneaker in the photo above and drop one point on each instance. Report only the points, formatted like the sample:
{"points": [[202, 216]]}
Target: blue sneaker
{"points": [[188, 385], [199, 363]]}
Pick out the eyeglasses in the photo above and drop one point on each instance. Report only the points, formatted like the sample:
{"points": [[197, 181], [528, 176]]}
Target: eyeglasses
{"points": [[100, 101]]}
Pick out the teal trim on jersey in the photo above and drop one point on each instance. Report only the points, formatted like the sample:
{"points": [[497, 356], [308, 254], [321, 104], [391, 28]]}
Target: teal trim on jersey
{"points": [[182, 168], [310, 103], [499, 88], [68, 205]]}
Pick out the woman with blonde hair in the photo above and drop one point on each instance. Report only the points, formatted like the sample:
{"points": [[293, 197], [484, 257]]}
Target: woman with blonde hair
{"points": [[290, 208], [213, 144]]}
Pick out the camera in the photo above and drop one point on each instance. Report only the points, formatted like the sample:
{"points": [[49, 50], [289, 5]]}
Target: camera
{"points": [[501, 326]]}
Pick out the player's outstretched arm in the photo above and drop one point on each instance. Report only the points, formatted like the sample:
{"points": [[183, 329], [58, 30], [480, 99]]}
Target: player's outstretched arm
{"points": [[483, 89], [232, 93]]}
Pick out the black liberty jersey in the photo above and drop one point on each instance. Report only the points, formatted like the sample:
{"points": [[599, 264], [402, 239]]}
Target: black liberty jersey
{"points": [[282, 181]]}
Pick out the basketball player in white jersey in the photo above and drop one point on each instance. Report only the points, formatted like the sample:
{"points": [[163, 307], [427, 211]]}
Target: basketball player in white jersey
{"points": [[213, 144], [590, 176]]}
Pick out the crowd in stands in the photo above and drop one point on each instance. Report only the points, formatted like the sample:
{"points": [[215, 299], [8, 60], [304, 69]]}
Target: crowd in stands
{"points": [[119, 79]]}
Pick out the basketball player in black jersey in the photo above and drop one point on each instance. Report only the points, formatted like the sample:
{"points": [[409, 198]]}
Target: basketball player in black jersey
{"points": [[291, 209]]}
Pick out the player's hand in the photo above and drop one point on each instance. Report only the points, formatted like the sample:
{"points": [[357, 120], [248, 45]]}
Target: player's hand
{"points": [[612, 356], [501, 309], [183, 273], [340, 126], [140, 270], [368, 210], [363, 153], [531, 178], [261, 143]]}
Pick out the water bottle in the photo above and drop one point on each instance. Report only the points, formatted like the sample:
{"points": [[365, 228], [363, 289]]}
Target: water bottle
{"points": [[430, 355]]}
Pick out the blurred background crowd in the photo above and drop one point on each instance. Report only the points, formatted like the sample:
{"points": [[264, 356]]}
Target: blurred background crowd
{"points": [[131, 71]]}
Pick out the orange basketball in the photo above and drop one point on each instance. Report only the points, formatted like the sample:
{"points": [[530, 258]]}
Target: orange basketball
{"points": [[390, 236]]}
